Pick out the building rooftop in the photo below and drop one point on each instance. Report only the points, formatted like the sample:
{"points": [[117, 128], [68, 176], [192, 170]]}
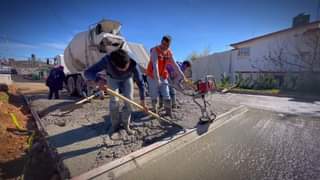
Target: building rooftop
{"points": [[234, 45]]}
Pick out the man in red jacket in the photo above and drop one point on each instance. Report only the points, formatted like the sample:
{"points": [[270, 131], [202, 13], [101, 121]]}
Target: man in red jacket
{"points": [[157, 74]]}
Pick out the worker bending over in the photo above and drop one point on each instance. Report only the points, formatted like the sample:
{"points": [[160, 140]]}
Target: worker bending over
{"points": [[120, 70]]}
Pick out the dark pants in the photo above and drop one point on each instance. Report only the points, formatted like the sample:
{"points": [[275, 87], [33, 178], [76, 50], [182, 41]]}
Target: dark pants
{"points": [[55, 92]]}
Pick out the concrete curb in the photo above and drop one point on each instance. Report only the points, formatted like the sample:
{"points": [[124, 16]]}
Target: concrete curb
{"points": [[53, 153], [36, 117], [134, 160]]}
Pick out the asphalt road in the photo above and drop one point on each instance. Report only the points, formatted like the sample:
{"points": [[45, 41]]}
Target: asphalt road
{"points": [[277, 139], [298, 106]]}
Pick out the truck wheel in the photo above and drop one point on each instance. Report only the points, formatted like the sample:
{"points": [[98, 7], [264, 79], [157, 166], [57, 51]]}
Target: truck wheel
{"points": [[79, 85], [71, 85]]}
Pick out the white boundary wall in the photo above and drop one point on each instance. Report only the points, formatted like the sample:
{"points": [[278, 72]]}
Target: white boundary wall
{"points": [[215, 64], [5, 79]]}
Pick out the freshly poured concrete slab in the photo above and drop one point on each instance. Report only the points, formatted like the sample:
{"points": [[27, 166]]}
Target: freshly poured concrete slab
{"points": [[258, 144], [80, 138]]}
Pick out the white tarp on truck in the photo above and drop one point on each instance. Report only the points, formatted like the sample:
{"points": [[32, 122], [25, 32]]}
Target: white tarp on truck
{"points": [[78, 57], [139, 54]]}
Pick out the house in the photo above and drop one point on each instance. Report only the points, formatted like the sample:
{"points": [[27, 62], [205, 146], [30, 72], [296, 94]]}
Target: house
{"points": [[294, 50], [288, 50]]}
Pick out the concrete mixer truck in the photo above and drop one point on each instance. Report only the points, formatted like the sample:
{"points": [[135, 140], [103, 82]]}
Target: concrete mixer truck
{"points": [[88, 47]]}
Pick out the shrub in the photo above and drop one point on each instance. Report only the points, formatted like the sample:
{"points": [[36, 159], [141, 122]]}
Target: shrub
{"points": [[4, 97], [225, 81]]}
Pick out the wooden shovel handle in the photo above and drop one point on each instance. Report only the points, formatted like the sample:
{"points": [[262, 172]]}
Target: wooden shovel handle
{"points": [[114, 93]]}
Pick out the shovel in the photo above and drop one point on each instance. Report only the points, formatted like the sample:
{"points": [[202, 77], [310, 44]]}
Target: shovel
{"points": [[114, 93], [225, 90], [70, 107]]}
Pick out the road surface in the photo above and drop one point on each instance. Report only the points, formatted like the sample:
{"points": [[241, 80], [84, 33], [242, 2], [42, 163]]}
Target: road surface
{"points": [[258, 145]]}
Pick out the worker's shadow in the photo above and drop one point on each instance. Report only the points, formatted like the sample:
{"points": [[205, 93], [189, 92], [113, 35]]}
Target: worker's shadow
{"points": [[60, 107], [202, 128], [139, 116], [82, 133]]}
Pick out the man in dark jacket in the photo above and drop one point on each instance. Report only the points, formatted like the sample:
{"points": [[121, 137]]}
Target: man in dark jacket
{"points": [[55, 81], [120, 70]]}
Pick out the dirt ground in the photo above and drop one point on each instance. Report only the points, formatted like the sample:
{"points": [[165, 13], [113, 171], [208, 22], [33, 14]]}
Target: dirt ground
{"points": [[16, 156], [31, 87], [13, 146]]}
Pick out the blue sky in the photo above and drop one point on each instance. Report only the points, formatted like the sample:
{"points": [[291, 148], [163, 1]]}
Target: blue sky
{"points": [[44, 27]]}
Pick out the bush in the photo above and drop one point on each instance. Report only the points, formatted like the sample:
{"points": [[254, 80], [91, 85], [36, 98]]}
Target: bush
{"points": [[4, 97], [225, 81], [246, 83], [262, 82]]}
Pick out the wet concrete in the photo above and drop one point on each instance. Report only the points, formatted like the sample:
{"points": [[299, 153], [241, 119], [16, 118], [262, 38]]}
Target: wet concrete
{"points": [[258, 145], [277, 144], [80, 136]]}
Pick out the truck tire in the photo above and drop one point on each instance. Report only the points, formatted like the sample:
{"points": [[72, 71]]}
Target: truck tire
{"points": [[80, 85], [71, 85]]}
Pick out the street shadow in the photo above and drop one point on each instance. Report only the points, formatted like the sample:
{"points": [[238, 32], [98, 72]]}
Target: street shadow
{"points": [[76, 135], [139, 116], [167, 134], [87, 131], [12, 169], [299, 96], [59, 106], [100, 129], [71, 154], [306, 99]]}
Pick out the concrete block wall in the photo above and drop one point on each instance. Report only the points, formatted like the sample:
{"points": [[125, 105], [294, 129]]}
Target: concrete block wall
{"points": [[5, 79]]}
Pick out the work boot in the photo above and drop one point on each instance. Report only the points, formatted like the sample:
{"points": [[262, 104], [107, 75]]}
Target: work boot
{"points": [[126, 119], [168, 108], [175, 106], [174, 102], [154, 104], [127, 128], [115, 122]]}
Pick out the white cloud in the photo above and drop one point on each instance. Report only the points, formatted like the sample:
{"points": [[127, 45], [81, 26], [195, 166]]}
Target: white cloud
{"points": [[57, 46], [47, 45], [15, 45]]}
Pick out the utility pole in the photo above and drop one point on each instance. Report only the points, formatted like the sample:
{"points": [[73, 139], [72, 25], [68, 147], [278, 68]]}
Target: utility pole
{"points": [[318, 10], [7, 45]]}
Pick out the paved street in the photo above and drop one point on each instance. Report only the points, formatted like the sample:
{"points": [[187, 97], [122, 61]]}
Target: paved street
{"points": [[297, 106], [260, 144]]}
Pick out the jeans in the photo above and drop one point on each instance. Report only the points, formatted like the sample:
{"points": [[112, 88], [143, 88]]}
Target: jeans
{"points": [[53, 91], [126, 89], [155, 91], [172, 91]]}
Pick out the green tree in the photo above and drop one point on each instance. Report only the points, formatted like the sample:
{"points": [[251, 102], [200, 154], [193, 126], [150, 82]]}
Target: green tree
{"points": [[194, 55]]}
